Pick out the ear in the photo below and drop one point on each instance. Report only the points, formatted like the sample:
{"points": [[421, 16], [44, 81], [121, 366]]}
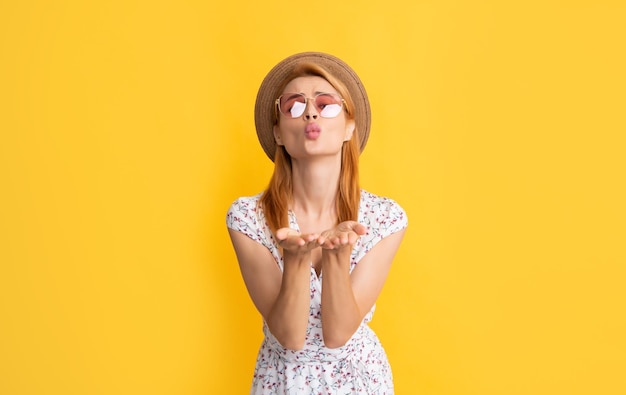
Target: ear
{"points": [[350, 125], [277, 135]]}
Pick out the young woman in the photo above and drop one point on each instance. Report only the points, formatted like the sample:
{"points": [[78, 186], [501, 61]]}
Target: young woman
{"points": [[314, 249]]}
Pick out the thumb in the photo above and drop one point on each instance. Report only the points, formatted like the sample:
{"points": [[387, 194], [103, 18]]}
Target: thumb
{"points": [[283, 233], [353, 226], [359, 228]]}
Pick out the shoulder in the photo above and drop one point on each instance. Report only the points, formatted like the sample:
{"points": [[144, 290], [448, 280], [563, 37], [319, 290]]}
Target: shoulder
{"points": [[244, 204], [244, 213], [382, 216]]}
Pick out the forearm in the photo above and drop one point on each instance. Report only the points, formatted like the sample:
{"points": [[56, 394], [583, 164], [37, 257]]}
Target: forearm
{"points": [[288, 318], [340, 313]]}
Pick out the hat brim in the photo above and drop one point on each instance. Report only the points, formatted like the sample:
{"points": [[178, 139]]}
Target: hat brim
{"points": [[268, 92]]}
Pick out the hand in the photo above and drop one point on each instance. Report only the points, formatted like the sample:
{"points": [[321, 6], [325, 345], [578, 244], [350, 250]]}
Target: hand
{"points": [[344, 234], [292, 241]]}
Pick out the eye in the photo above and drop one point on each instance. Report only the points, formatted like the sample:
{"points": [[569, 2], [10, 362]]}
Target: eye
{"points": [[290, 102], [297, 109], [329, 104], [325, 99]]}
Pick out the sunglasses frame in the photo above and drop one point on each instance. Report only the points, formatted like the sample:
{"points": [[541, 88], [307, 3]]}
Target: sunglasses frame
{"points": [[306, 102]]}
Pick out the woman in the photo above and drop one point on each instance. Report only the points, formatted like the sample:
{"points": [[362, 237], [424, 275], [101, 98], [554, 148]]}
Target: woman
{"points": [[314, 249]]}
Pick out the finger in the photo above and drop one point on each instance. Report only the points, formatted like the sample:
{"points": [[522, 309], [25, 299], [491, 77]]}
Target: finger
{"points": [[346, 226], [312, 245], [283, 233], [325, 243], [292, 242], [328, 245], [360, 229], [310, 237], [326, 236]]}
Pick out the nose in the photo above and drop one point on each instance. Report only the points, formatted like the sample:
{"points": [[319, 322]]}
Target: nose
{"points": [[310, 112]]}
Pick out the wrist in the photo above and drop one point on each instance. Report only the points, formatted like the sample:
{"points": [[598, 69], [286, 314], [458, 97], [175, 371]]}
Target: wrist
{"points": [[336, 255], [297, 257]]}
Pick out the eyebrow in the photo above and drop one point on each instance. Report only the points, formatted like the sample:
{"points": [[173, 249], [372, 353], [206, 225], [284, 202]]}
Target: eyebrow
{"points": [[292, 95], [295, 94]]}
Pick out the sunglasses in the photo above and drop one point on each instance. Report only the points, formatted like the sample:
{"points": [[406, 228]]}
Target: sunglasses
{"points": [[328, 105]]}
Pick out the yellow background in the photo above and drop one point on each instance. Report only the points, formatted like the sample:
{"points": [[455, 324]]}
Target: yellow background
{"points": [[127, 131]]}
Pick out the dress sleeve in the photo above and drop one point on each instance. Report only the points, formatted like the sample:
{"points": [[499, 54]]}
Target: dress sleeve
{"points": [[245, 216], [383, 217], [391, 218], [242, 217]]}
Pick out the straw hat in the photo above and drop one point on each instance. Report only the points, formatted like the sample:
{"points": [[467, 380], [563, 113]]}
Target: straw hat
{"points": [[268, 93]]}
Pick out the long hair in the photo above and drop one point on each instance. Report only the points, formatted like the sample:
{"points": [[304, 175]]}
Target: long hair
{"points": [[278, 196]]}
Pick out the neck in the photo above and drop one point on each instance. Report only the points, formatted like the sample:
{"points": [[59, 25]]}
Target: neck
{"points": [[315, 186]]}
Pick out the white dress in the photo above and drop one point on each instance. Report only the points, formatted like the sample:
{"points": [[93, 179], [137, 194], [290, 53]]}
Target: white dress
{"points": [[358, 367]]}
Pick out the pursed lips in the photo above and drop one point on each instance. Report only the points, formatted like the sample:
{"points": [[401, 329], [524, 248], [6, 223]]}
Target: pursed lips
{"points": [[312, 131]]}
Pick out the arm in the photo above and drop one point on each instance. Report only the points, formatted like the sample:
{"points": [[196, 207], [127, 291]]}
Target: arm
{"points": [[347, 298], [282, 298]]}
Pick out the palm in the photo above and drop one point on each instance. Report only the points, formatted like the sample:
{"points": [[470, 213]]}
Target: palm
{"points": [[342, 235], [293, 241]]}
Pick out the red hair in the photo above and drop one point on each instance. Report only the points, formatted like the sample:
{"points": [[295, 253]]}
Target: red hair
{"points": [[277, 198]]}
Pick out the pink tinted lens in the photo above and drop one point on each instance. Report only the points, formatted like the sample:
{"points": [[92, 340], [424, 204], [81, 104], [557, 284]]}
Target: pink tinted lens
{"points": [[292, 104], [328, 105]]}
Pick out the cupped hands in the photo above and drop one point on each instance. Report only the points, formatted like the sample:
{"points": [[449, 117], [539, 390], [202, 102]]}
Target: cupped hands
{"points": [[344, 234]]}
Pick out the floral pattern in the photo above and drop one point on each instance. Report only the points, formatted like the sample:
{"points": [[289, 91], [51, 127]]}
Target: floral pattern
{"points": [[358, 367]]}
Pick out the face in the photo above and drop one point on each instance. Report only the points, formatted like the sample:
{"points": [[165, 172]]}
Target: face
{"points": [[313, 133]]}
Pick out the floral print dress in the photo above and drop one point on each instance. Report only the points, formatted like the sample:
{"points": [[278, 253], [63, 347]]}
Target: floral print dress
{"points": [[358, 367]]}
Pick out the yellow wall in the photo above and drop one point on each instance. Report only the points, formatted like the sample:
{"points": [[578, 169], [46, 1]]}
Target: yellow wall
{"points": [[127, 130]]}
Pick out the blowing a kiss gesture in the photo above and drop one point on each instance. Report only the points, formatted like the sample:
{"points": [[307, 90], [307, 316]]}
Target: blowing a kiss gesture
{"points": [[314, 249], [343, 235]]}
